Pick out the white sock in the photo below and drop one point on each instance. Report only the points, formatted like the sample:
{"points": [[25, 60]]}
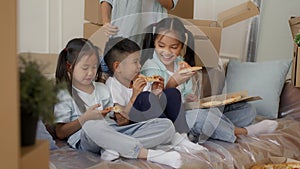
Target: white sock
{"points": [[109, 155], [265, 126], [182, 142], [171, 158]]}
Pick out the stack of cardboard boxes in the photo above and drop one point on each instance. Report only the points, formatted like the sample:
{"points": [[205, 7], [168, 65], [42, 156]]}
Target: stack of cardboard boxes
{"points": [[295, 29], [207, 33], [92, 27]]}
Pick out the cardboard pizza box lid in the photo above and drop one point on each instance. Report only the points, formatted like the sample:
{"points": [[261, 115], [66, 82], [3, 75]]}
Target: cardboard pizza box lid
{"points": [[238, 13], [220, 98]]}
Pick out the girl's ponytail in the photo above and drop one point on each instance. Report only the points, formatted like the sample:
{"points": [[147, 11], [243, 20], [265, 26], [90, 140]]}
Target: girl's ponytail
{"points": [[61, 69], [148, 43], [189, 56]]}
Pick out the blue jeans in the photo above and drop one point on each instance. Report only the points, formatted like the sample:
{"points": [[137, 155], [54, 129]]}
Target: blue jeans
{"points": [[126, 140], [147, 106], [218, 124], [240, 114]]}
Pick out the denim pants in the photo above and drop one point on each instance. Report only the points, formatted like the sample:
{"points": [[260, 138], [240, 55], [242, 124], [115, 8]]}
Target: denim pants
{"points": [[147, 106], [217, 124], [97, 135]]}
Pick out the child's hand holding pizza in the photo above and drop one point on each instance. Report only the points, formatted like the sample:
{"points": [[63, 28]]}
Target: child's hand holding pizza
{"points": [[92, 113], [158, 85]]}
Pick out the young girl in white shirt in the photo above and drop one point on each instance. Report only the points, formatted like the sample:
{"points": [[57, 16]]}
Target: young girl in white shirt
{"points": [[83, 119]]}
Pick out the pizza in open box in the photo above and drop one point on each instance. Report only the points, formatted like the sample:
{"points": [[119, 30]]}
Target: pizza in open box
{"points": [[221, 100]]}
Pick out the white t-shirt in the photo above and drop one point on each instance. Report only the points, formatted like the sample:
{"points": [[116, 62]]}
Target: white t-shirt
{"points": [[120, 93], [132, 16], [67, 110]]}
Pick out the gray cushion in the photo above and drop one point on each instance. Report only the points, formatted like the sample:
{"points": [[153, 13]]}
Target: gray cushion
{"points": [[264, 79]]}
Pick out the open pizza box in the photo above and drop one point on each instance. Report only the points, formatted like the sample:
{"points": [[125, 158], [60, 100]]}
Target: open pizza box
{"points": [[221, 100], [208, 33]]}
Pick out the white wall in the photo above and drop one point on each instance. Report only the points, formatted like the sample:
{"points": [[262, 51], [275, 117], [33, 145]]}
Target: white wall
{"points": [[47, 25], [275, 40]]}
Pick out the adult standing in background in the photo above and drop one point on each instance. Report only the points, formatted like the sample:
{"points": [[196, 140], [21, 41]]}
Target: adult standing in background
{"points": [[128, 18]]}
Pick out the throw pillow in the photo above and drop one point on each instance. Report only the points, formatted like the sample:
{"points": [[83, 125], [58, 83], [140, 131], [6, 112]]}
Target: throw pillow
{"points": [[264, 79]]}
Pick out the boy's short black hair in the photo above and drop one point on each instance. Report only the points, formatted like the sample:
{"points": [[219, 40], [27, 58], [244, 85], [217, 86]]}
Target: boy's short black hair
{"points": [[117, 49]]}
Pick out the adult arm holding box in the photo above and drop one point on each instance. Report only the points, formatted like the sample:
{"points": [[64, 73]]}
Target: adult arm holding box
{"points": [[106, 9]]}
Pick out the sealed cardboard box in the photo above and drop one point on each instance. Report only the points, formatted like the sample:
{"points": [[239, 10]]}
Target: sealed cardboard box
{"points": [[92, 11], [295, 28], [96, 35], [35, 156], [183, 9], [208, 33]]}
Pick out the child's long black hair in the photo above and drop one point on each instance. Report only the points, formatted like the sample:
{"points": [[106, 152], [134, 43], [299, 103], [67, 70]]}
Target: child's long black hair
{"points": [[73, 52], [164, 26], [117, 49]]}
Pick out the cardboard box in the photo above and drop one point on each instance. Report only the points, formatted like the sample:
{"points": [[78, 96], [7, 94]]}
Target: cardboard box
{"points": [[35, 156], [208, 32], [295, 27], [96, 35], [48, 62], [92, 11], [183, 9]]}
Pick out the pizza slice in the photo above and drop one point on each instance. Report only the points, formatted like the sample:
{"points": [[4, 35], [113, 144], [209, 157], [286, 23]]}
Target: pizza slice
{"points": [[231, 99], [114, 109], [212, 103], [154, 78], [190, 69]]}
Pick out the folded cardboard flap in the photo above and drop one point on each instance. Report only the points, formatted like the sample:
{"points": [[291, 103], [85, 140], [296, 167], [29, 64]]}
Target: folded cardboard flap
{"points": [[238, 13], [294, 25], [206, 55]]}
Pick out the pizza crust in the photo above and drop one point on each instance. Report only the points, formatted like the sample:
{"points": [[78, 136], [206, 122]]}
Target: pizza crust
{"points": [[190, 69], [212, 103]]}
